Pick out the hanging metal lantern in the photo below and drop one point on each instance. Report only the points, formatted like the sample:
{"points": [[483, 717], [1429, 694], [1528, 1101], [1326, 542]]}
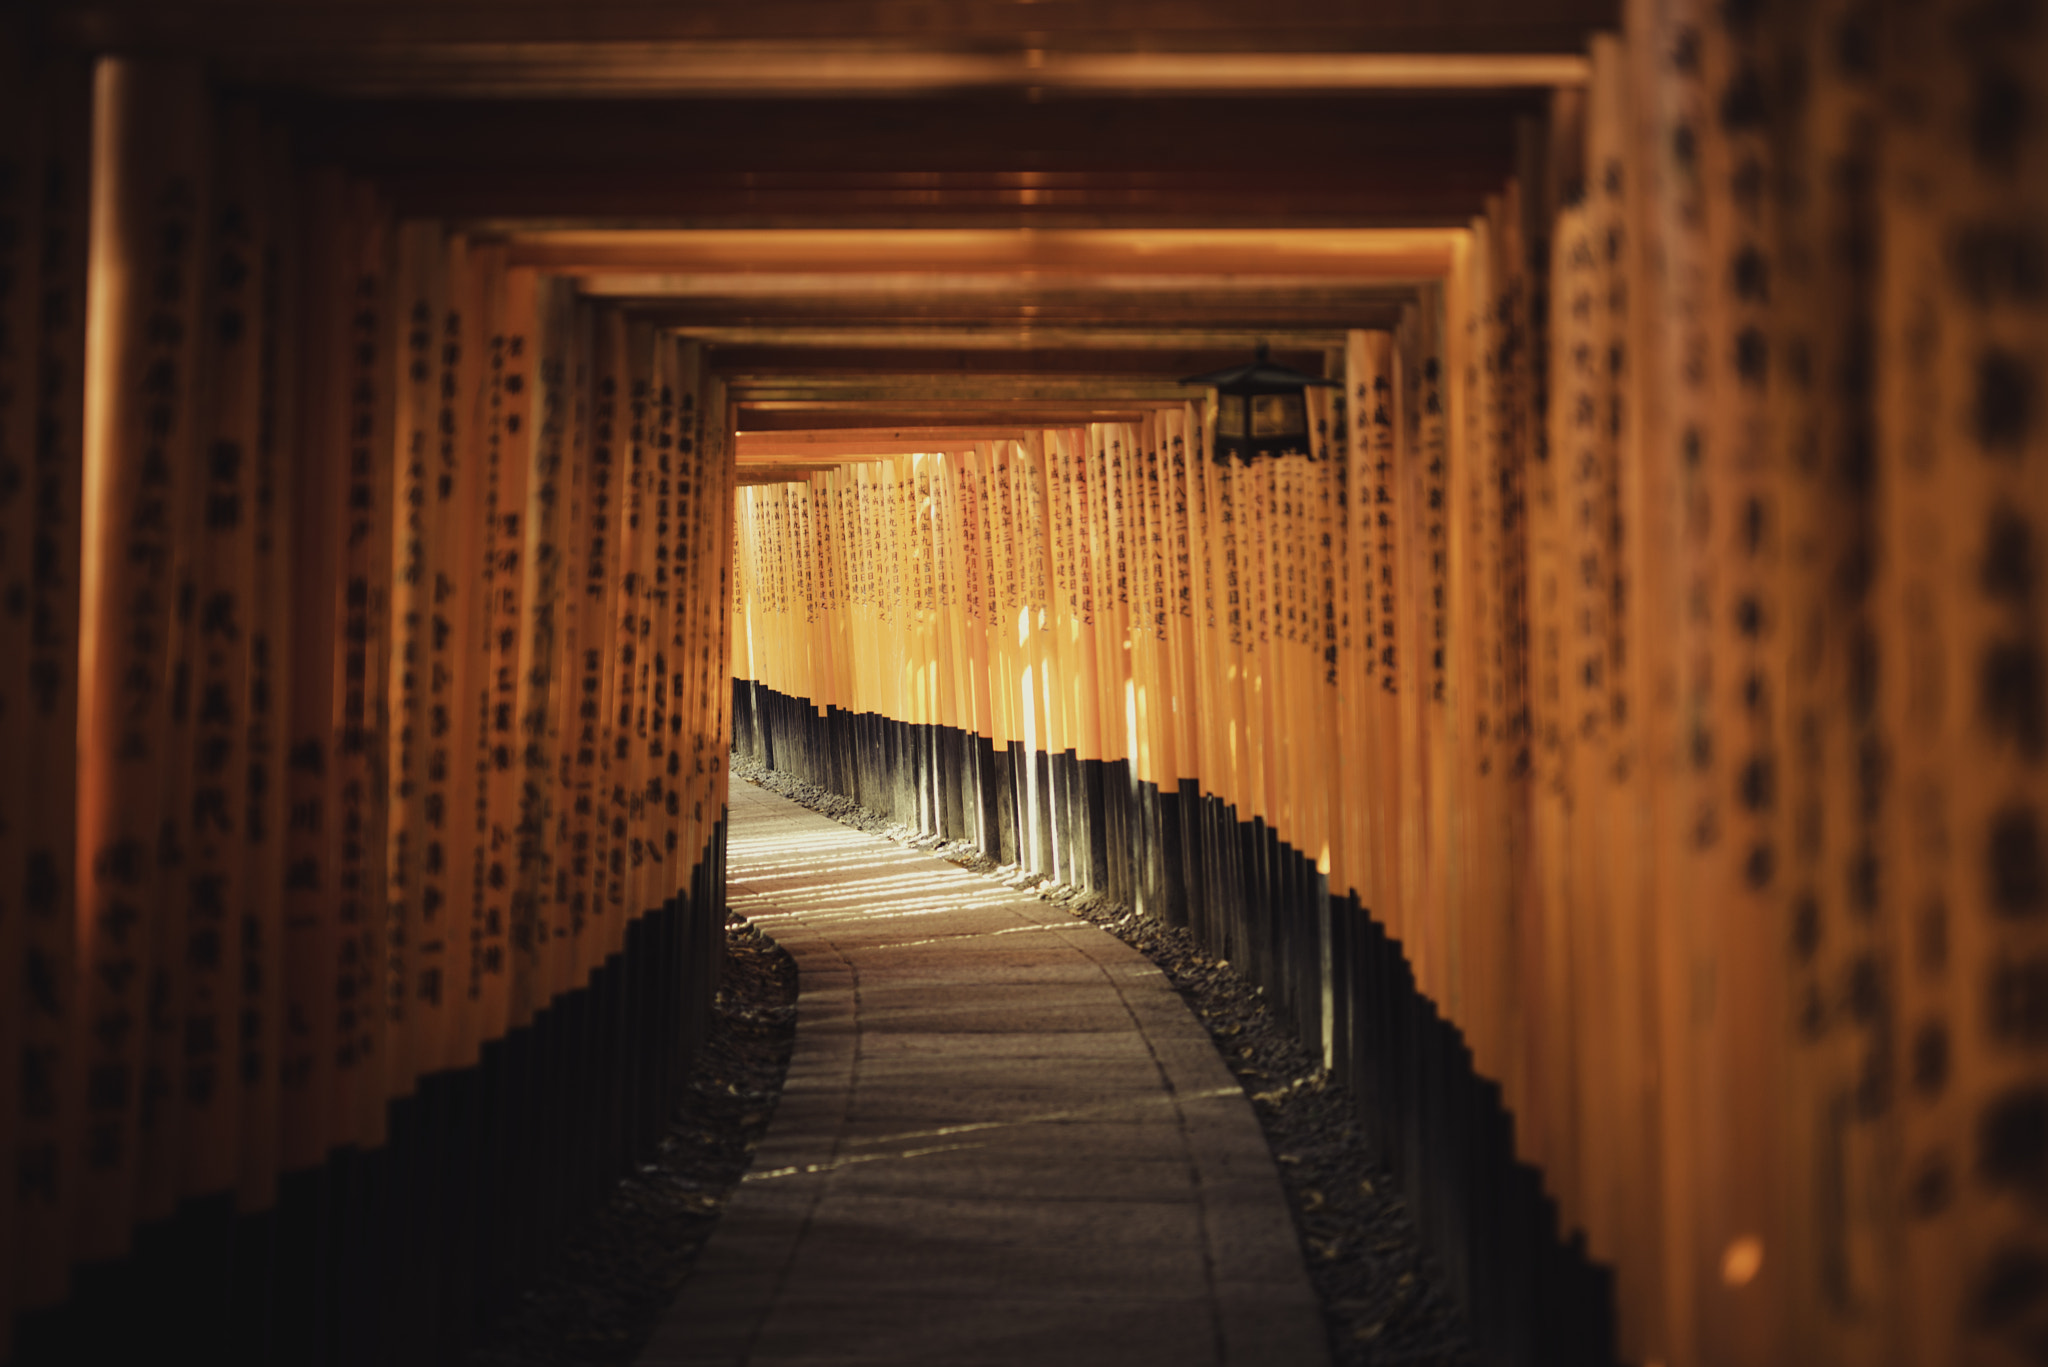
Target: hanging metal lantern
{"points": [[1261, 409]]}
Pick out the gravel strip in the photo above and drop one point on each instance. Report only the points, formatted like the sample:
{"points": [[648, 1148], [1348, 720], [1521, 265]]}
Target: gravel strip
{"points": [[612, 1279], [1384, 1298]]}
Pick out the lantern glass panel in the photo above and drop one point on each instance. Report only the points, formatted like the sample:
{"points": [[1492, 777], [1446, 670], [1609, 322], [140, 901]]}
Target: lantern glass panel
{"points": [[1279, 415], [1230, 415]]}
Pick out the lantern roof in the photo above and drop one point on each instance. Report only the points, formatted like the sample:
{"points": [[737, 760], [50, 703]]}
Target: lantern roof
{"points": [[1262, 376]]}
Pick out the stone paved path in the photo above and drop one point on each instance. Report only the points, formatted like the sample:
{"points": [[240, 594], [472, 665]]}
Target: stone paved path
{"points": [[1004, 1140]]}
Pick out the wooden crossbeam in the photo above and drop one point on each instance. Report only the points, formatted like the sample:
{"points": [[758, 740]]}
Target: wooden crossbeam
{"points": [[1236, 254]]}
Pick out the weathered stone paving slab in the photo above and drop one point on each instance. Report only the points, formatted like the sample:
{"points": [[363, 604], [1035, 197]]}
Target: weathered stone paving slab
{"points": [[1003, 1140]]}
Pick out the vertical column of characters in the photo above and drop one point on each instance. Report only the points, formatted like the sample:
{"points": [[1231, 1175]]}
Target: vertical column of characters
{"points": [[977, 592], [1471, 719], [1181, 582], [947, 646], [1193, 613], [1932, 458], [314, 536], [1520, 432], [1165, 512], [1396, 498], [971, 609], [508, 443], [1312, 497], [910, 523], [1609, 836], [743, 591], [1050, 480], [420, 255], [259, 930], [1142, 694], [1671, 613], [160, 1136], [629, 689], [227, 422], [849, 535], [659, 660], [1038, 538], [1290, 559], [1233, 632], [1231, 581], [1359, 657], [709, 648], [1104, 450], [886, 589], [810, 616], [1258, 552], [49, 150], [1072, 670], [696, 567], [841, 508], [922, 532], [1087, 547], [1567, 1025], [721, 422], [934, 539], [1281, 546], [775, 595], [1435, 611], [1411, 608], [1014, 619], [160, 1140], [650, 661], [1646, 673], [743, 582], [1841, 1111], [878, 513], [828, 498], [1151, 646], [542, 412], [693, 568], [1112, 452], [781, 585], [998, 623], [362, 655], [999, 601], [473, 358], [575, 627], [1376, 426], [596, 726], [1966, 478], [149, 212], [789, 589], [767, 622], [450, 645], [783, 588], [820, 492], [792, 590], [1416, 546], [859, 533], [701, 412], [816, 655], [1740, 691], [957, 604], [1316, 718], [1329, 414], [844, 509], [1196, 688]]}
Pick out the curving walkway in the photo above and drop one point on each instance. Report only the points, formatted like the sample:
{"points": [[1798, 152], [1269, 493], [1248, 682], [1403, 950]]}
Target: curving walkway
{"points": [[1004, 1140]]}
